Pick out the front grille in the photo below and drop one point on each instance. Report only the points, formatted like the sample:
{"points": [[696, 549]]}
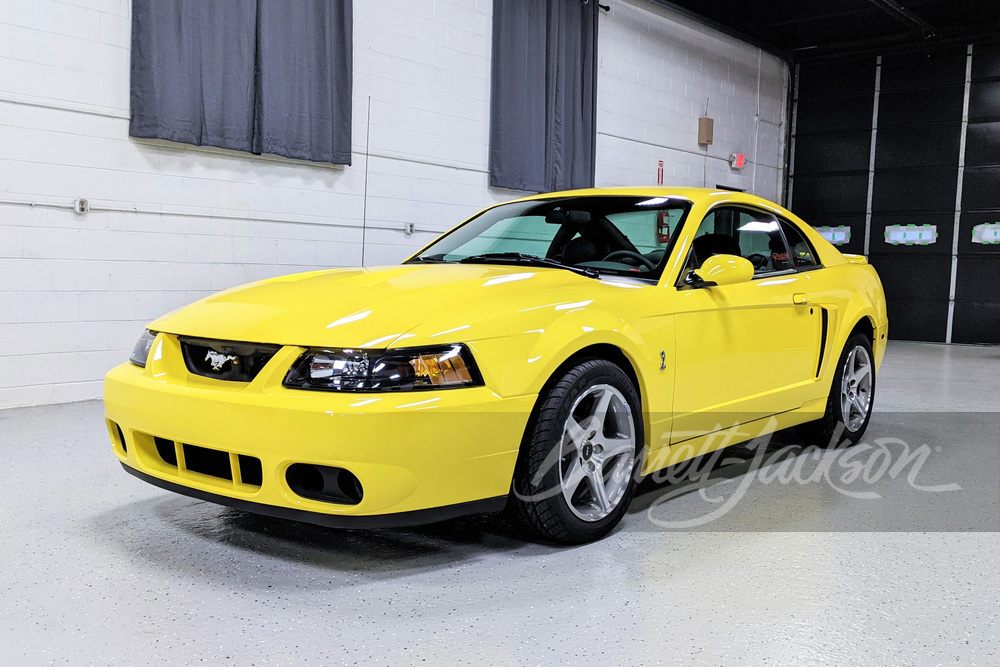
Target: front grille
{"points": [[226, 360], [208, 462], [177, 457], [165, 448]]}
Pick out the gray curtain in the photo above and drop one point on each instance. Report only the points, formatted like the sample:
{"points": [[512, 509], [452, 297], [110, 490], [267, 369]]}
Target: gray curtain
{"points": [[542, 132], [304, 79], [263, 76], [193, 71]]}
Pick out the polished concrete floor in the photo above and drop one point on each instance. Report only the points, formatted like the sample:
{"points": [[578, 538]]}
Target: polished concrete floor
{"points": [[892, 564]]}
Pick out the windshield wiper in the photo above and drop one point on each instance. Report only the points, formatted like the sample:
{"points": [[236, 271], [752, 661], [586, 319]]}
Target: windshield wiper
{"points": [[528, 260], [429, 258]]}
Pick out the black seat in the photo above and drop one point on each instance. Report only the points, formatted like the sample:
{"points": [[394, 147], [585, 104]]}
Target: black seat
{"points": [[715, 244], [584, 249]]}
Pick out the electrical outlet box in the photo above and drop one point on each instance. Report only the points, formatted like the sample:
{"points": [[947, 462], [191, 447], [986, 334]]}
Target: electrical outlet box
{"points": [[706, 128]]}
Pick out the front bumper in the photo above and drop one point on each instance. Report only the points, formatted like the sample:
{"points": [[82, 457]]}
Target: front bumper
{"points": [[419, 456]]}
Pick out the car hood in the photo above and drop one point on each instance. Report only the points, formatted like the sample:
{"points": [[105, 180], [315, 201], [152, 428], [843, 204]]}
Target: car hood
{"points": [[374, 307]]}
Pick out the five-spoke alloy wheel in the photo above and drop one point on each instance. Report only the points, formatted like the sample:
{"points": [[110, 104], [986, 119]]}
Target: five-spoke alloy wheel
{"points": [[857, 377], [849, 406], [598, 445], [578, 465]]}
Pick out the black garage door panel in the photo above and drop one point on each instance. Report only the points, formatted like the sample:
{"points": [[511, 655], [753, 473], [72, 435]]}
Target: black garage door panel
{"points": [[981, 188], [977, 278], [839, 193], [917, 189], [836, 151], [940, 67], [982, 144], [976, 322], [911, 319], [924, 145], [911, 107], [853, 112], [920, 278], [984, 100], [986, 60], [844, 77]]}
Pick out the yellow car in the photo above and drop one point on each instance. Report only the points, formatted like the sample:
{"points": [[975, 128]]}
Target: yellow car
{"points": [[541, 356]]}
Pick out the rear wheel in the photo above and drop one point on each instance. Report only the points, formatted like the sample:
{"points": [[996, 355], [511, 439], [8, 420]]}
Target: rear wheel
{"points": [[852, 394], [576, 474]]}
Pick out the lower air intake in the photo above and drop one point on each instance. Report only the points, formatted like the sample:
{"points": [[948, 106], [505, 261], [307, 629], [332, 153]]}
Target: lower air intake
{"points": [[324, 483]]}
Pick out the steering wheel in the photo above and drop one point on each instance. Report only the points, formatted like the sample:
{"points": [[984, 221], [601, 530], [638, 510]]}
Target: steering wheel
{"points": [[633, 255], [758, 260]]}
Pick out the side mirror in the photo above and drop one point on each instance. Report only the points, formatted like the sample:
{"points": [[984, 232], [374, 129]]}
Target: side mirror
{"points": [[721, 270]]}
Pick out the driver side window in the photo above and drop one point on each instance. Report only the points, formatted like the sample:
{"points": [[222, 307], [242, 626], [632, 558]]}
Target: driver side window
{"points": [[752, 235]]}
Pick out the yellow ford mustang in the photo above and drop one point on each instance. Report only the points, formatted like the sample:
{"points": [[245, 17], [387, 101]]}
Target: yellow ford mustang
{"points": [[542, 356]]}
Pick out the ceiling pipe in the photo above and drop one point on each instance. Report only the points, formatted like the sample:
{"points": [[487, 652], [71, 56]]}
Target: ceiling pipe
{"points": [[904, 15]]}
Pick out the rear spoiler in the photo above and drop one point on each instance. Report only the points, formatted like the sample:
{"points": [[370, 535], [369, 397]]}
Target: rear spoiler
{"points": [[855, 259]]}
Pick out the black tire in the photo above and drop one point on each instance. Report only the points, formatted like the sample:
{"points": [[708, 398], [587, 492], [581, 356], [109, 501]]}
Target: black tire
{"points": [[536, 500], [833, 429]]}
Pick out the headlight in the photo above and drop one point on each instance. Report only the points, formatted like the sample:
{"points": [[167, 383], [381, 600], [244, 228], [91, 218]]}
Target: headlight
{"points": [[410, 369], [141, 350]]}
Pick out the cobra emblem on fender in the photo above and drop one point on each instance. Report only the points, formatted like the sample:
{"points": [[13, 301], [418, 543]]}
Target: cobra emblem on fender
{"points": [[218, 360]]}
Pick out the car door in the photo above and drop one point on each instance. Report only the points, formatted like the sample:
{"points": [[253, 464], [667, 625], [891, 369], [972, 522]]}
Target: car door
{"points": [[748, 350]]}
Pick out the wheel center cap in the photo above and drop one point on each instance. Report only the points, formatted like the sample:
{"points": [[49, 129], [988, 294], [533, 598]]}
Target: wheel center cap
{"points": [[587, 451]]}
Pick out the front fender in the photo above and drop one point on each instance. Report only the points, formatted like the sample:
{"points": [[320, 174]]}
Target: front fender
{"points": [[522, 364]]}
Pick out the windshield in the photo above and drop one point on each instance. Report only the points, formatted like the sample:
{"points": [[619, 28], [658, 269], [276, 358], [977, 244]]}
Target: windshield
{"points": [[629, 236]]}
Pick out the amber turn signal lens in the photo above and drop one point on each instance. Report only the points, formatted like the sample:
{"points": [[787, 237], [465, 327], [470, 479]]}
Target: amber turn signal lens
{"points": [[440, 369]]}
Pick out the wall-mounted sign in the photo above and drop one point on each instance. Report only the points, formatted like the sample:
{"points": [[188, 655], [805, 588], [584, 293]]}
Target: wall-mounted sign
{"points": [[836, 235], [988, 233], [911, 234]]}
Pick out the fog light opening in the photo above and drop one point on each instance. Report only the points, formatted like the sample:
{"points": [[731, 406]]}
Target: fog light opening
{"points": [[121, 437], [324, 483]]}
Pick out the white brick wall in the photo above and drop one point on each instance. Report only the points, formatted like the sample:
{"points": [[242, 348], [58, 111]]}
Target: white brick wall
{"points": [[170, 224], [657, 71]]}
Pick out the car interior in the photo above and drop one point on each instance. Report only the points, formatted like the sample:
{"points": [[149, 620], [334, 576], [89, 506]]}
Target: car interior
{"points": [[614, 238], [756, 236]]}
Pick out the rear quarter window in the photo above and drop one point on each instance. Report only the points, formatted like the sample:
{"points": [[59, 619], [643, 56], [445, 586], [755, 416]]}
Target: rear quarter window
{"points": [[802, 253]]}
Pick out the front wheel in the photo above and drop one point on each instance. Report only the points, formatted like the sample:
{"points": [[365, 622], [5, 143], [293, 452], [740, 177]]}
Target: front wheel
{"points": [[577, 471], [852, 394]]}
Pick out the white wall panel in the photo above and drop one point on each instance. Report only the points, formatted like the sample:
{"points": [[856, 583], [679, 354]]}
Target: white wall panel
{"points": [[170, 224], [658, 73]]}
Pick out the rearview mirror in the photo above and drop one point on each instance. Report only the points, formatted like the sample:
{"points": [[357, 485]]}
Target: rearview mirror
{"points": [[562, 216], [720, 270]]}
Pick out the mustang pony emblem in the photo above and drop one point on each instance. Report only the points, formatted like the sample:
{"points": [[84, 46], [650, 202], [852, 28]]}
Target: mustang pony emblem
{"points": [[218, 359]]}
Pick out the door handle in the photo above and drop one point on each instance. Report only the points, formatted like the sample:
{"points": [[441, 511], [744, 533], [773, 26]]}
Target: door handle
{"points": [[800, 299]]}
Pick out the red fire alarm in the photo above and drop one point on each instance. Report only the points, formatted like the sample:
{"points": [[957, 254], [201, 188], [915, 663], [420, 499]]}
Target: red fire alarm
{"points": [[737, 160], [662, 228]]}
